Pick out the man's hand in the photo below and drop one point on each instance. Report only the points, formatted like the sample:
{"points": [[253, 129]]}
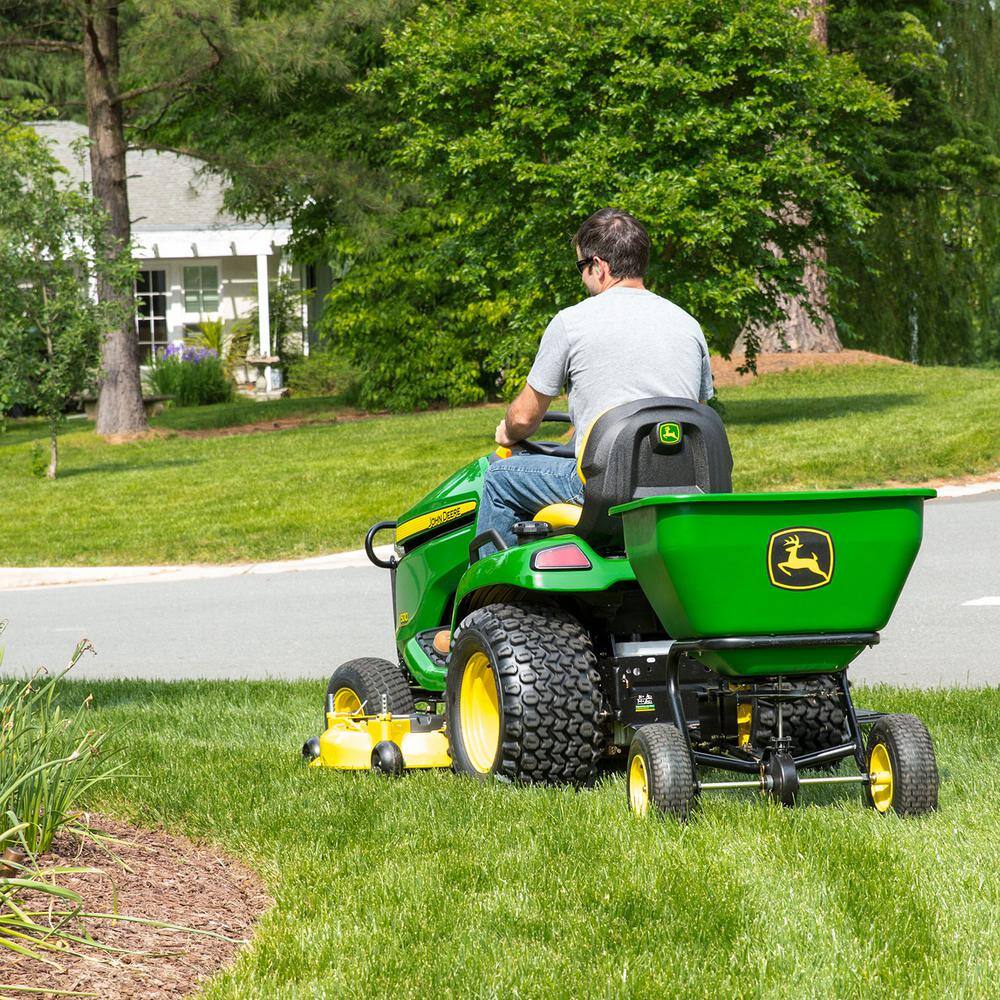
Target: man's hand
{"points": [[523, 417], [502, 437]]}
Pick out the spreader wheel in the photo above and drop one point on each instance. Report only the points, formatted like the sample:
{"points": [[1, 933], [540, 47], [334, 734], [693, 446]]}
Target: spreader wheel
{"points": [[901, 766], [660, 772]]}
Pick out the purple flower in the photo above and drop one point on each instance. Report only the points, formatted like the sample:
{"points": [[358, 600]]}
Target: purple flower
{"points": [[191, 355]]}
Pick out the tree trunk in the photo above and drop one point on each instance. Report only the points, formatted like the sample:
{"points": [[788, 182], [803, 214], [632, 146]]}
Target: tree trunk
{"points": [[799, 331], [53, 448], [120, 409]]}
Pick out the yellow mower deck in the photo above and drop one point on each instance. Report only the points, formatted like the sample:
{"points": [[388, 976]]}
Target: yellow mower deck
{"points": [[349, 741]]}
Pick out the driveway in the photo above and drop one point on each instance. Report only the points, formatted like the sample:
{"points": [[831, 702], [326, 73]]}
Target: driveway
{"points": [[946, 628]]}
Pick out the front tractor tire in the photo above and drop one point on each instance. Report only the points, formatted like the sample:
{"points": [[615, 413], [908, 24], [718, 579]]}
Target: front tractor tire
{"points": [[523, 697], [358, 687]]}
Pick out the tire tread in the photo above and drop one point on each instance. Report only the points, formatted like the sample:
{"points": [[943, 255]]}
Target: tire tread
{"points": [[550, 691], [377, 675]]}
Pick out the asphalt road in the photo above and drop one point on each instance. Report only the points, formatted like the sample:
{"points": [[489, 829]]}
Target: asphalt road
{"points": [[302, 624]]}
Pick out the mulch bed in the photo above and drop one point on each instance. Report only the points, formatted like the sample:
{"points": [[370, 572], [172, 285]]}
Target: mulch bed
{"points": [[158, 877], [724, 372], [278, 424]]}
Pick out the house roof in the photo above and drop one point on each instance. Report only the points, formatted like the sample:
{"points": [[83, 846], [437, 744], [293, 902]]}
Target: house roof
{"points": [[166, 191]]}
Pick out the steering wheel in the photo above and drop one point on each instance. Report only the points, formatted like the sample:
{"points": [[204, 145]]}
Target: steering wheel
{"points": [[558, 449]]}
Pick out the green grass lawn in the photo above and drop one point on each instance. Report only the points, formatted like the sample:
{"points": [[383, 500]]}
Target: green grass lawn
{"points": [[436, 885], [317, 488]]}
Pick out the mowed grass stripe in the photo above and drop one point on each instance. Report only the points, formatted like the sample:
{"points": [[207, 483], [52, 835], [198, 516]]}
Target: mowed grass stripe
{"points": [[316, 489], [438, 884]]}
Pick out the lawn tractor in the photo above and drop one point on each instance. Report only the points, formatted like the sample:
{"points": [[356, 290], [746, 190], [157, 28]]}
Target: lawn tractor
{"points": [[667, 626]]}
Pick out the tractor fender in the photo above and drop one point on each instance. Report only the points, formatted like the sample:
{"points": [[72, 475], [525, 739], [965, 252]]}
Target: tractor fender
{"points": [[513, 568]]}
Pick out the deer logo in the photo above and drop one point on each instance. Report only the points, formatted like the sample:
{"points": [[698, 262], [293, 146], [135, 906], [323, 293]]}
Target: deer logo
{"points": [[800, 558]]}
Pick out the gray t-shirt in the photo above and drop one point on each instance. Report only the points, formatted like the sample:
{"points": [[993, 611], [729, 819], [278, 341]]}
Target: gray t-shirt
{"points": [[622, 345]]}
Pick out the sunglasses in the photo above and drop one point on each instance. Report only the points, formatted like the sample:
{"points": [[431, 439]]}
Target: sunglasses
{"points": [[582, 265]]}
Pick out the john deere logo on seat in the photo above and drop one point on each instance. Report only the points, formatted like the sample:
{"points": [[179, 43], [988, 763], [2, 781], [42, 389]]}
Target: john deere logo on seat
{"points": [[800, 558], [670, 433]]}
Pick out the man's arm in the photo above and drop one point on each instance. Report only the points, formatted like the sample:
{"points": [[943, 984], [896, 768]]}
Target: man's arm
{"points": [[523, 417]]}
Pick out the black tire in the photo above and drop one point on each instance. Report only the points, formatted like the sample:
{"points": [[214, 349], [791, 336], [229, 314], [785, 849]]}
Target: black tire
{"points": [[370, 678], [387, 759], [812, 723], [659, 759], [546, 696], [913, 789]]}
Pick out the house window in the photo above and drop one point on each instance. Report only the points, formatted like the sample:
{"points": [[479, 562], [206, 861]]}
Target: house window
{"points": [[150, 312], [201, 289]]}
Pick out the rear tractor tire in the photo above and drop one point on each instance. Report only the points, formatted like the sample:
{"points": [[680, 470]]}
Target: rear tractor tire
{"points": [[814, 722], [362, 686], [523, 697], [660, 775], [902, 767]]}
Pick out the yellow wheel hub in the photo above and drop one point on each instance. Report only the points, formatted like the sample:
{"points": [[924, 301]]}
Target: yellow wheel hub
{"points": [[346, 702], [638, 786], [479, 713], [880, 772]]}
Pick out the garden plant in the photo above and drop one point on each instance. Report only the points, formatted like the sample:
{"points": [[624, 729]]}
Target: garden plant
{"points": [[190, 376], [51, 760]]}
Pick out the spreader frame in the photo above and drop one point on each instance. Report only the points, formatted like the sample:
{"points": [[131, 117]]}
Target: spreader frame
{"points": [[752, 765]]}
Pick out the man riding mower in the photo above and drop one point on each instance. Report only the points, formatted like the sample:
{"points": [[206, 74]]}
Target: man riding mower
{"points": [[663, 622]]}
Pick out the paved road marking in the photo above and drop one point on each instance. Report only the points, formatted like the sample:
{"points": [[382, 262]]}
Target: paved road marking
{"points": [[983, 602]]}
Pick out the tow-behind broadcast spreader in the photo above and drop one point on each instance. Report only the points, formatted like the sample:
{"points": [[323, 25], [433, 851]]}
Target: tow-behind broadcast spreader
{"points": [[667, 624]]}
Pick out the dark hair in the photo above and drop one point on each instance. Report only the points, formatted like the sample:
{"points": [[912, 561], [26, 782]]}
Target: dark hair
{"points": [[617, 238]]}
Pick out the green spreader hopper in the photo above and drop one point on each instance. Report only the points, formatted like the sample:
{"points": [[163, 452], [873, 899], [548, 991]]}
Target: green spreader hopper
{"points": [[830, 564]]}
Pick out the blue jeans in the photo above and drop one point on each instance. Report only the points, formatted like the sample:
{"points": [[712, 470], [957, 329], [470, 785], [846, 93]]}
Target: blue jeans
{"points": [[516, 488]]}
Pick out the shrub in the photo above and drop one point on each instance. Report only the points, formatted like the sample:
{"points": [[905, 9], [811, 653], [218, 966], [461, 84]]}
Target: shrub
{"points": [[230, 342], [193, 376], [322, 373]]}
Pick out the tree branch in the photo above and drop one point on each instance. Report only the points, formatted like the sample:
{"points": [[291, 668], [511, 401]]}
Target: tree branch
{"points": [[178, 81], [42, 44]]}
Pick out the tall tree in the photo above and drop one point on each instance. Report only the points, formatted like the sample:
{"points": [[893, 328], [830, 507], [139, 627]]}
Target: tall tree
{"points": [[806, 323], [91, 31], [51, 237], [925, 285], [260, 99], [510, 123]]}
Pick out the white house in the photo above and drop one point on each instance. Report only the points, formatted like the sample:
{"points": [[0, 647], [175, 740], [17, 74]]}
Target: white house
{"points": [[197, 261]]}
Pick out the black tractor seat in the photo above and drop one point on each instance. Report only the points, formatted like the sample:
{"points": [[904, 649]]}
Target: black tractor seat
{"points": [[649, 447]]}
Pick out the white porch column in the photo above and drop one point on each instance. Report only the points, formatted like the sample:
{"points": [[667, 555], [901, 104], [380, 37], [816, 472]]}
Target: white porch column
{"points": [[264, 316], [305, 309]]}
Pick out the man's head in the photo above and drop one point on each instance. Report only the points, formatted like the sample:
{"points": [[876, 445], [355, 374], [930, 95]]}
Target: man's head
{"points": [[611, 247]]}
